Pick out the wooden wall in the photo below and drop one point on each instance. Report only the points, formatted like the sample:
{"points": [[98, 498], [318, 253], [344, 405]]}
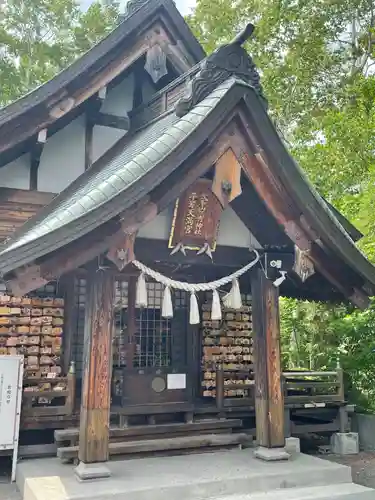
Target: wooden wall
{"points": [[17, 206]]}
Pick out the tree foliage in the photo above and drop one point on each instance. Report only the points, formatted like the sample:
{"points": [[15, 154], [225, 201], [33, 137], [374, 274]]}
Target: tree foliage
{"points": [[317, 336], [38, 38]]}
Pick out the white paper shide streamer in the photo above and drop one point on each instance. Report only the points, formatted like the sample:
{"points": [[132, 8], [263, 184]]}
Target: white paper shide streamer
{"points": [[231, 300], [194, 310], [141, 294], [167, 307], [216, 306]]}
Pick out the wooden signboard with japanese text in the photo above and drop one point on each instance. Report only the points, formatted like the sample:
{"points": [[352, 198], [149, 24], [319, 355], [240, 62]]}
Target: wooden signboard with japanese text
{"points": [[196, 217]]}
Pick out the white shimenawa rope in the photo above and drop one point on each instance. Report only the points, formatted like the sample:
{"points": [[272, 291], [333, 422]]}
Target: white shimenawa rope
{"points": [[231, 300]]}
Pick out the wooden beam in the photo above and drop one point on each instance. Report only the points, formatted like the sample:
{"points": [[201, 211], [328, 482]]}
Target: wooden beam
{"points": [[337, 274], [67, 284], [89, 131], [139, 75], [259, 174], [149, 250], [131, 321], [269, 401], [303, 236], [92, 112], [113, 121], [97, 365], [35, 155]]}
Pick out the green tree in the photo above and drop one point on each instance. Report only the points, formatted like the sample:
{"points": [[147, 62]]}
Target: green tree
{"points": [[316, 59], [39, 38], [306, 49], [315, 336]]}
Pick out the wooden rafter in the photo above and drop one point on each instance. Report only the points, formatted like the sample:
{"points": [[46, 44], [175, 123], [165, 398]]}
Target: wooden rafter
{"points": [[92, 112], [113, 121]]}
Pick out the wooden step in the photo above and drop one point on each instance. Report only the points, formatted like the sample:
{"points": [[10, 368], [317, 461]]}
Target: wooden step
{"points": [[72, 435], [165, 445]]}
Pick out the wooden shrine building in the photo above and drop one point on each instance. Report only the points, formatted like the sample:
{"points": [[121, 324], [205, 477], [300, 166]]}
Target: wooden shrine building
{"points": [[173, 218]]}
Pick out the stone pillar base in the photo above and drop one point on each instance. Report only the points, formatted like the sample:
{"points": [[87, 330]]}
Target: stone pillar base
{"points": [[271, 454], [292, 445], [86, 472], [345, 443]]}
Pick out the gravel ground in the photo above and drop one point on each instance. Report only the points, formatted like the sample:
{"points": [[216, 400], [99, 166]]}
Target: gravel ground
{"points": [[363, 466], [8, 491]]}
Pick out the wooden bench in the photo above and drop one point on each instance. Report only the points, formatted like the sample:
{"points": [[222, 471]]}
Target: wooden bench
{"points": [[70, 437], [175, 444]]}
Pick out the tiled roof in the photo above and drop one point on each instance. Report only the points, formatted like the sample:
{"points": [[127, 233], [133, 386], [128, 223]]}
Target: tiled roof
{"points": [[104, 191]]}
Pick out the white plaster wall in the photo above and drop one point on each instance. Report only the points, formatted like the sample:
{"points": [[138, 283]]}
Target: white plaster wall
{"points": [[63, 157], [119, 99], [118, 102], [16, 174], [232, 231]]}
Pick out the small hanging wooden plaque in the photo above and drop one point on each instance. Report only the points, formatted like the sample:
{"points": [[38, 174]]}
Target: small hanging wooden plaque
{"points": [[196, 217]]}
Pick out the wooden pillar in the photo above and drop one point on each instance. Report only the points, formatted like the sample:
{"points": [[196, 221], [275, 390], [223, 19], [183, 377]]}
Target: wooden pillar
{"points": [[67, 283], [269, 401], [95, 404]]}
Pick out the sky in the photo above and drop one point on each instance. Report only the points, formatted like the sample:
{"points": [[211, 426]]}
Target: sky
{"points": [[184, 6]]}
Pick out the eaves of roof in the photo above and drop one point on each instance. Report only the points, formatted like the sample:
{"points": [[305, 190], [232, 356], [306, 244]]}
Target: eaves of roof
{"points": [[103, 192], [321, 217], [151, 155], [127, 27]]}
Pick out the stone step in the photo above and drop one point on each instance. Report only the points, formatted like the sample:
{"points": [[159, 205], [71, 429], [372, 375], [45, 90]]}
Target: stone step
{"points": [[330, 492], [192, 477]]}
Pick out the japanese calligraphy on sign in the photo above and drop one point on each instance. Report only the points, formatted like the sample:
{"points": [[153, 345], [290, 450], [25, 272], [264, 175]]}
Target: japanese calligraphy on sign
{"points": [[196, 217], [11, 374]]}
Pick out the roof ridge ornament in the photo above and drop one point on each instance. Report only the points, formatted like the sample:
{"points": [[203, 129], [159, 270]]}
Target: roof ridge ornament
{"points": [[133, 5], [227, 60]]}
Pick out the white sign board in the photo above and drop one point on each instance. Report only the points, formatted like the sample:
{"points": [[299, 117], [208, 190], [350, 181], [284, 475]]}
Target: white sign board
{"points": [[176, 381], [11, 376]]}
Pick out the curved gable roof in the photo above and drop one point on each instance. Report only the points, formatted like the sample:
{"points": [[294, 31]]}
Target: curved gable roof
{"points": [[20, 119], [217, 92], [149, 157], [104, 191]]}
